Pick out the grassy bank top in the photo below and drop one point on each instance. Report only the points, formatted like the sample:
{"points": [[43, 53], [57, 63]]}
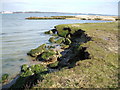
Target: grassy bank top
{"points": [[101, 70]]}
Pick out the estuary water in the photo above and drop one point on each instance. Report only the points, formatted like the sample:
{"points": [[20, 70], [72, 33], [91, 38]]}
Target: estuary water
{"points": [[20, 36]]}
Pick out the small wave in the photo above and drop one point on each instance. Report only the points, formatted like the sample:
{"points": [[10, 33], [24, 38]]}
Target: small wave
{"points": [[8, 41], [22, 40], [30, 30], [18, 32], [9, 64], [45, 29], [3, 33]]}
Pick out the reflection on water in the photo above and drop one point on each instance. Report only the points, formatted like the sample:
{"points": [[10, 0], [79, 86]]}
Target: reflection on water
{"points": [[19, 36]]}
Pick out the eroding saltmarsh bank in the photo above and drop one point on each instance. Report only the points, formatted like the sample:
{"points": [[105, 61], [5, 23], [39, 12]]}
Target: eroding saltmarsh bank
{"points": [[79, 17], [84, 56]]}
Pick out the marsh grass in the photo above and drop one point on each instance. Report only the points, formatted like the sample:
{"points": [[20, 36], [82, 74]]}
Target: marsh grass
{"points": [[100, 71]]}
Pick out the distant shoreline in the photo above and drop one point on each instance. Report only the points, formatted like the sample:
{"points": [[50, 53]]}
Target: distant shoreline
{"points": [[79, 17], [5, 12]]}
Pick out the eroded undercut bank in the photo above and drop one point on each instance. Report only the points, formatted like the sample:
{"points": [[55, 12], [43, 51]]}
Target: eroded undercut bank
{"points": [[78, 56], [63, 52]]}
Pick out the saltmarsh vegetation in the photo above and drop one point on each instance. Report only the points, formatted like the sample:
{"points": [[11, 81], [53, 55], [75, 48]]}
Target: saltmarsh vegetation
{"points": [[48, 54], [40, 18], [29, 76], [88, 59], [85, 17], [52, 17], [4, 78], [53, 65], [37, 51]]}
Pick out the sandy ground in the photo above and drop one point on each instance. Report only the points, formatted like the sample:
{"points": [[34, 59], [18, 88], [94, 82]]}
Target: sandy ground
{"points": [[94, 17]]}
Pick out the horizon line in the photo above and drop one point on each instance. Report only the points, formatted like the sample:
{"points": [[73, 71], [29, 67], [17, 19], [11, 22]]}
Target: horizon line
{"points": [[53, 12]]}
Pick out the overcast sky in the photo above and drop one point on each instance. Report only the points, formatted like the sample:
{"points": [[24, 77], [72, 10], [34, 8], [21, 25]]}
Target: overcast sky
{"points": [[75, 6]]}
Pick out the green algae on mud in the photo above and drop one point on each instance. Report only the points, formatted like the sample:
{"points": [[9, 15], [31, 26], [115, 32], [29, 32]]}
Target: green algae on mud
{"points": [[53, 65], [37, 51], [4, 78], [48, 54], [30, 76]]}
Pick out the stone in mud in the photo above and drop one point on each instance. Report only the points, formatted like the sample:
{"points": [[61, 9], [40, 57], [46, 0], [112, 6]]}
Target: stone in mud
{"points": [[59, 41], [67, 41], [76, 48], [55, 35], [63, 46], [52, 39], [27, 73], [49, 32], [49, 47], [58, 54], [4, 78], [63, 33], [24, 67], [68, 36], [53, 58], [37, 68], [48, 54], [54, 31], [37, 51], [52, 65]]}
